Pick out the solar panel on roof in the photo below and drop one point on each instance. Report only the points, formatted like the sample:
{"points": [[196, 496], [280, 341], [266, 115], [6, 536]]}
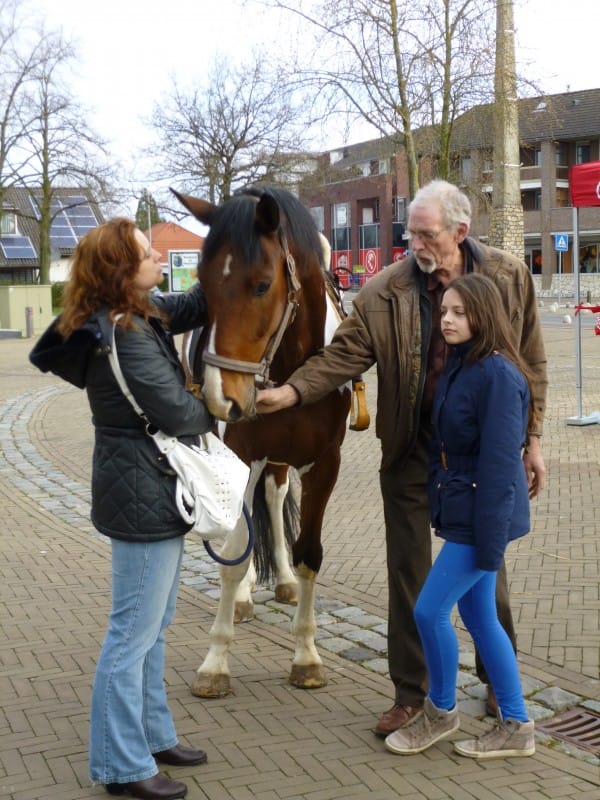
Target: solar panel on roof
{"points": [[73, 217], [66, 242], [17, 247]]}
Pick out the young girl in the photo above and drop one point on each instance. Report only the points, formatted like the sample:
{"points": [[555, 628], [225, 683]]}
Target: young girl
{"points": [[479, 502]]}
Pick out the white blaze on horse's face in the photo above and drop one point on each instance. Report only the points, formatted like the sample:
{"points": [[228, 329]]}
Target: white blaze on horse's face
{"points": [[212, 387], [227, 266]]}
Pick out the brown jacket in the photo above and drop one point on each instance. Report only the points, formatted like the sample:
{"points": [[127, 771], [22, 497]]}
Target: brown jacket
{"points": [[390, 326]]}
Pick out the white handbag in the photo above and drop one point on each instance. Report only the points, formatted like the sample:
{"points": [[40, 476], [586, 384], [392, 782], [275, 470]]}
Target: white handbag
{"points": [[211, 479]]}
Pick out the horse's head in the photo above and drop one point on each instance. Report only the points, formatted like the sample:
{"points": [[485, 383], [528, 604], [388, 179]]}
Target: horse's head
{"points": [[250, 283]]}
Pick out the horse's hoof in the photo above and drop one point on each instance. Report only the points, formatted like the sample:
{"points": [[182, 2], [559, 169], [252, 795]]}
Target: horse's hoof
{"points": [[308, 676], [287, 593], [243, 612], [205, 685]]}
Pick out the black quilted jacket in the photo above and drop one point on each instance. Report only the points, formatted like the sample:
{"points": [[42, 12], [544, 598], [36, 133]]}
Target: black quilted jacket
{"points": [[132, 483]]}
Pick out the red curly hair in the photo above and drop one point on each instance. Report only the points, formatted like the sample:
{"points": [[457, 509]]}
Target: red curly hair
{"points": [[105, 263]]}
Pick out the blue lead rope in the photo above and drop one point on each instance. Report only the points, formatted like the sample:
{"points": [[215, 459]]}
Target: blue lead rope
{"points": [[234, 561]]}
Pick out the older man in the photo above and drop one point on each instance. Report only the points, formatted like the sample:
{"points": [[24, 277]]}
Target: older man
{"points": [[395, 323]]}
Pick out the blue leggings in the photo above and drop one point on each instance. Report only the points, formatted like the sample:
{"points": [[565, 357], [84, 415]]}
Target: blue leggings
{"points": [[453, 578]]}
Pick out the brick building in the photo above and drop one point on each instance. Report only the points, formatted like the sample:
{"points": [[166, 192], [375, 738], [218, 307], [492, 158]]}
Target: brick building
{"points": [[359, 194]]}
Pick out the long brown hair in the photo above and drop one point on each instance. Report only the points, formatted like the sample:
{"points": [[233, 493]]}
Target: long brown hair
{"points": [[105, 263], [489, 324]]}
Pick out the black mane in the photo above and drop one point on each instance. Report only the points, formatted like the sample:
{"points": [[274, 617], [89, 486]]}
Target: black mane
{"points": [[235, 222]]}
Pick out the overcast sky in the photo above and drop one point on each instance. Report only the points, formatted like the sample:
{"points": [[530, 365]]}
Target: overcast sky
{"points": [[129, 50]]}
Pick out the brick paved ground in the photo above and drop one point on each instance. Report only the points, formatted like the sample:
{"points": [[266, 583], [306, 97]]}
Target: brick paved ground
{"points": [[270, 740]]}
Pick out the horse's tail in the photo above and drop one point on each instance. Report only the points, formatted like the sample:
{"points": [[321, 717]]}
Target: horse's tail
{"points": [[263, 536]]}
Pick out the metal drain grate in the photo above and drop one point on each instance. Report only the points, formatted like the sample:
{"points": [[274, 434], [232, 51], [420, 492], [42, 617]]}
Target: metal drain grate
{"points": [[578, 726]]}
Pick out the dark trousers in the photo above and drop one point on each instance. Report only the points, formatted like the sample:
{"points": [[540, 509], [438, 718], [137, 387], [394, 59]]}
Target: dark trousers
{"points": [[408, 543]]}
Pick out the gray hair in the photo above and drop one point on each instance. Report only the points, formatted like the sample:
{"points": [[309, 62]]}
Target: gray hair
{"points": [[454, 204]]}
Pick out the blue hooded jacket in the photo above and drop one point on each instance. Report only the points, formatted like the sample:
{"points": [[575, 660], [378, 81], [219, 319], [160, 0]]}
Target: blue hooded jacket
{"points": [[477, 486]]}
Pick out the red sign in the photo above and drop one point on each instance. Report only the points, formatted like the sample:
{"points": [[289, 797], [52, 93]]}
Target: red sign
{"points": [[584, 180], [340, 259], [398, 253], [340, 266], [370, 258]]}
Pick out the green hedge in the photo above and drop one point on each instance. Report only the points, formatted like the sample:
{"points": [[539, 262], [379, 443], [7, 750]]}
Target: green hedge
{"points": [[57, 293]]}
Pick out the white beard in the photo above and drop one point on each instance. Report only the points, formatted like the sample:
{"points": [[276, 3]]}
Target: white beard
{"points": [[427, 267]]}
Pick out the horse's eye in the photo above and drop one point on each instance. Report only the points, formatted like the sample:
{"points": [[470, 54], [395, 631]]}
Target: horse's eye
{"points": [[261, 288]]}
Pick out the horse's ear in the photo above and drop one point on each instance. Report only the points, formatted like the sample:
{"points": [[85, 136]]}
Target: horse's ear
{"points": [[201, 209], [267, 213]]}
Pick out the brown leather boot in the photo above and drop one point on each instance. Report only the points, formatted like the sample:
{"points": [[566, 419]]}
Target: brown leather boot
{"points": [[396, 717], [158, 787]]}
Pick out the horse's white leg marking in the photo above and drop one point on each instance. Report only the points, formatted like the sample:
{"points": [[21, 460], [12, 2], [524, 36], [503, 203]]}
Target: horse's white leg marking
{"points": [[275, 498], [305, 624], [243, 594], [307, 668], [212, 677]]}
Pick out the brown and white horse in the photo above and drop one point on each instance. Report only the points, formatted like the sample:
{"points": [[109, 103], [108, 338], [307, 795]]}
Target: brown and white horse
{"points": [[262, 272]]}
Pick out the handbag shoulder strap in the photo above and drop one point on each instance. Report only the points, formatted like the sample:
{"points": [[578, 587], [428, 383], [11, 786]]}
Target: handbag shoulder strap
{"points": [[113, 358]]}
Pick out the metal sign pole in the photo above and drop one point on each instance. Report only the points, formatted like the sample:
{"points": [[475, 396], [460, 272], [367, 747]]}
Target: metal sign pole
{"points": [[579, 419]]}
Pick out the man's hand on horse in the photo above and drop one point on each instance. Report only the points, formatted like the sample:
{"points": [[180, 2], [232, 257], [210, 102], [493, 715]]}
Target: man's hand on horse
{"points": [[276, 399]]}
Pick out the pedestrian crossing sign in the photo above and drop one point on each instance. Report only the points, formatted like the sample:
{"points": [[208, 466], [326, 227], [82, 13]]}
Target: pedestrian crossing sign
{"points": [[561, 242]]}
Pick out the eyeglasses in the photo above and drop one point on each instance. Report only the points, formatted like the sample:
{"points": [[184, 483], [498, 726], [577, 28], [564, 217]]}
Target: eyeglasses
{"points": [[426, 236]]}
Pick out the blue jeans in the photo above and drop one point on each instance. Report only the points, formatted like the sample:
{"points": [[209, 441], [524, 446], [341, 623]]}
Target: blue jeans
{"points": [[130, 718], [453, 578]]}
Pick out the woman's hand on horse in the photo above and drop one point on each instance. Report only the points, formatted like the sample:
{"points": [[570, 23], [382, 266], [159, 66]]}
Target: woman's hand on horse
{"points": [[270, 400]]}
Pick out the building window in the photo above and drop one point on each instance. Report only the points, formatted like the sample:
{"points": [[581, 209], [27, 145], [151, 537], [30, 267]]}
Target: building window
{"points": [[538, 199], [398, 209], [466, 169], [582, 153], [9, 223], [340, 233], [561, 156], [318, 213], [340, 239], [340, 215], [399, 235], [537, 158], [588, 258]]}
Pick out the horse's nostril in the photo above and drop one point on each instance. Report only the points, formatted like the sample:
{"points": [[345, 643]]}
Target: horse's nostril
{"points": [[235, 412]]}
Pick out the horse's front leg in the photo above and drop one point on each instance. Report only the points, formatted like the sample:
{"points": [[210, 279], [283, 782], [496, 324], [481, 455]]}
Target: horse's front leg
{"points": [[307, 668], [317, 483], [277, 484], [212, 677]]}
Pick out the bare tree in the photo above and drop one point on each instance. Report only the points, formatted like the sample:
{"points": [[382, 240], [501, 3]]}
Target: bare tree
{"points": [[400, 65], [17, 66], [62, 149], [45, 139], [240, 125]]}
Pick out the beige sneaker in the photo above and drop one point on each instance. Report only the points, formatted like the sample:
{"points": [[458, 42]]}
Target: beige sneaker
{"points": [[427, 727], [507, 738]]}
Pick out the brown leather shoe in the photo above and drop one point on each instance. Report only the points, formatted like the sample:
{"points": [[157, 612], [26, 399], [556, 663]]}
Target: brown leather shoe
{"points": [[395, 718], [180, 756], [158, 787], [491, 704]]}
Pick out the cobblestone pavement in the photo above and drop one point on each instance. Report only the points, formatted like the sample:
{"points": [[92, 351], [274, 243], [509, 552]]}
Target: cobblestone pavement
{"points": [[268, 739]]}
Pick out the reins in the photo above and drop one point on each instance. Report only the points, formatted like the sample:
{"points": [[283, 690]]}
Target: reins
{"points": [[262, 368]]}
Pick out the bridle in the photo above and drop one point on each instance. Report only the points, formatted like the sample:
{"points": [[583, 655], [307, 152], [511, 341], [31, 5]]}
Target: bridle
{"points": [[261, 368]]}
